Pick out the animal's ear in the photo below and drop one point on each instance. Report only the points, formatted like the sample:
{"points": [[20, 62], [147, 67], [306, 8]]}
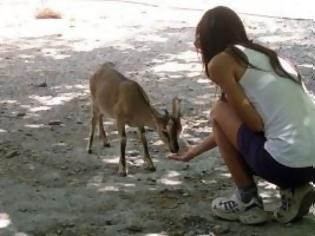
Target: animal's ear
{"points": [[176, 108]]}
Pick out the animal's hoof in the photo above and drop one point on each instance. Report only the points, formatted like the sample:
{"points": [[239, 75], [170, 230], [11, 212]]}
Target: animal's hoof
{"points": [[89, 151], [122, 174], [151, 168], [122, 171], [106, 145]]}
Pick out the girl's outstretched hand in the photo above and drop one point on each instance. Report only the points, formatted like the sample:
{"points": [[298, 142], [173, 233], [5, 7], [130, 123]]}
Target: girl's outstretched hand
{"points": [[184, 155]]}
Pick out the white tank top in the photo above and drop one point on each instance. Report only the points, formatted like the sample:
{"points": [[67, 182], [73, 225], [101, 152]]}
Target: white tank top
{"points": [[286, 108]]}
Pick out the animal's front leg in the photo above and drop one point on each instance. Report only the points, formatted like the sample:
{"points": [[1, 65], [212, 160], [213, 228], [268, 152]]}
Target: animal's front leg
{"points": [[123, 142], [147, 158]]}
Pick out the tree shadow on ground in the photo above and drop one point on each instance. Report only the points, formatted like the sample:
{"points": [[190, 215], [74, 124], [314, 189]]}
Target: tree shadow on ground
{"points": [[44, 123]]}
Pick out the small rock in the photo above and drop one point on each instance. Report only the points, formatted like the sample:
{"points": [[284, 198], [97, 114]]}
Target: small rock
{"points": [[20, 114], [11, 154], [108, 222], [188, 177], [68, 224], [23, 209], [55, 122], [151, 180], [133, 153], [135, 228], [42, 85], [186, 167]]}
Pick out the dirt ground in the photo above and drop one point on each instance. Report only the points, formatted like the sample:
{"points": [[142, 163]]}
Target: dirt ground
{"points": [[49, 185]]}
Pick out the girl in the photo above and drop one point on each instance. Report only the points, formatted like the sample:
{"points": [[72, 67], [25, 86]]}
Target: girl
{"points": [[263, 125]]}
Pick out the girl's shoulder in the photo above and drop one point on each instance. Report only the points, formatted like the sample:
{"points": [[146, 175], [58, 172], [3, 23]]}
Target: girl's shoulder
{"points": [[221, 60], [224, 63]]}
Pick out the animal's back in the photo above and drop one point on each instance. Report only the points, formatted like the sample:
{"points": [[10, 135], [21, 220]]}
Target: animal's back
{"points": [[110, 90]]}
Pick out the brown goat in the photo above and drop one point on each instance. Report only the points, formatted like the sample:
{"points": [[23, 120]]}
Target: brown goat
{"points": [[114, 95]]}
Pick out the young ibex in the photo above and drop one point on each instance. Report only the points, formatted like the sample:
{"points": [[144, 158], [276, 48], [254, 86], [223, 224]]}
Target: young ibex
{"points": [[124, 100]]}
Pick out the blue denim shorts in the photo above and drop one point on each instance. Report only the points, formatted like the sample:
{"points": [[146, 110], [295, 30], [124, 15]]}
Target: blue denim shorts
{"points": [[262, 164]]}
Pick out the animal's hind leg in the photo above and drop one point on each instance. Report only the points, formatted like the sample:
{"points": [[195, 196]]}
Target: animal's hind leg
{"points": [[93, 124], [122, 169], [147, 158], [102, 132]]}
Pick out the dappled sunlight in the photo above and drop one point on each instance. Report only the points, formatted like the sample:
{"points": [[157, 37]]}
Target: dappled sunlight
{"points": [[55, 100], [309, 66], [55, 53], [168, 64], [61, 144], [167, 77], [48, 102], [171, 178], [39, 108], [109, 189], [278, 38], [203, 81], [124, 46], [156, 234], [35, 126], [9, 101], [5, 220], [193, 74], [158, 143], [7, 227], [111, 160], [204, 99], [169, 67], [116, 187], [170, 181], [25, 56], [153, 38], [226, 175], [189, 56], [76, 90], [3, 131]]}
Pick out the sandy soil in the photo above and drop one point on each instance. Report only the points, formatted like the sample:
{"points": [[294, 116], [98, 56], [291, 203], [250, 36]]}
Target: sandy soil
{"points": [[49, 185]]}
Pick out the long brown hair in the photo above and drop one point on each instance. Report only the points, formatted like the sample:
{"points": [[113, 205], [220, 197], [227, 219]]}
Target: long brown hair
{"points": [[220, 29]]}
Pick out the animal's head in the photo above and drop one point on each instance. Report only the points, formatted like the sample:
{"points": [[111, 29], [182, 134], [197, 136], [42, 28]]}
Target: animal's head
{"points": [[169, 127]]}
